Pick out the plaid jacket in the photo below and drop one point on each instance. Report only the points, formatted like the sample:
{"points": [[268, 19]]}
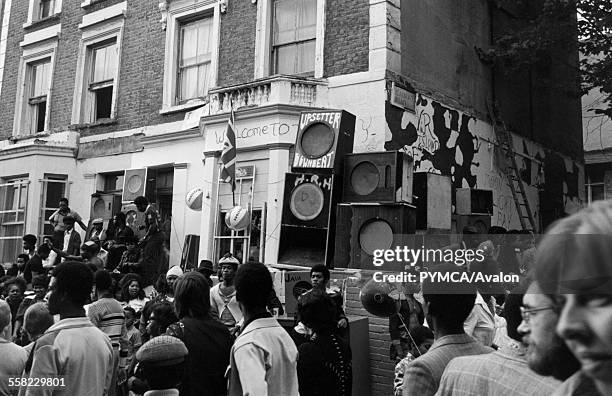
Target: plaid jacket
{"points": [[495, 374], [422, 376]]}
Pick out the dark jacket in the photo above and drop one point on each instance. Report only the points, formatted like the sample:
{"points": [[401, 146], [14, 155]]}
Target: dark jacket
{"points": [[74, 244], [34, 265], [324, 366], [208, 343]]}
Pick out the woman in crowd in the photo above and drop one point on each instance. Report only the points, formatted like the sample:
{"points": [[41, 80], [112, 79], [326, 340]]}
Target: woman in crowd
{"points": [[162, 316], [324, 363], [132, 294], [207, 340]]}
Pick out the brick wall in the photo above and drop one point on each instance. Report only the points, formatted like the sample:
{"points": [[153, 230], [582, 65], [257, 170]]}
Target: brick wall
{"points": [[381, 367], [346, 36], [237, 51]]}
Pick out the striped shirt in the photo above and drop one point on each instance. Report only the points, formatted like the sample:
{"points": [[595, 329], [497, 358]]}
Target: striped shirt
{"points": [[107, 315]]}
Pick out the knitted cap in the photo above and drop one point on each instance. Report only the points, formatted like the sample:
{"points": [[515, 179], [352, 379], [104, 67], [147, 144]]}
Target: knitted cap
{"points": [[162, 351], [175, 270]]}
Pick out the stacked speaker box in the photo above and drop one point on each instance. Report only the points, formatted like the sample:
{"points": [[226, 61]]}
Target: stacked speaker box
{"points": [[363, 228], [474, 201], [482, 223], [314, 187], [432, 197]]}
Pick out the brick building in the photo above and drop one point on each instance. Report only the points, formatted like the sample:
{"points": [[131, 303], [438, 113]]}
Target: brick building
{"points": [[104, 99]]}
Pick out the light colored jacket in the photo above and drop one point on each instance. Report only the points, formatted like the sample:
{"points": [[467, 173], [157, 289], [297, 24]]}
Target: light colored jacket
{"points": [[217, 305], [481, 322], [263, 361]]}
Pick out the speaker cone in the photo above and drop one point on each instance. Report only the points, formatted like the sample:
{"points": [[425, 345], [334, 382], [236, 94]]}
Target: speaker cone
{"points": [[306, 201], [375, 234], [365, 178], [317, 140]]}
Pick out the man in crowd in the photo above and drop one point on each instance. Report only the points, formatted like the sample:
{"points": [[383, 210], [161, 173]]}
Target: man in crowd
{"points": [[39, 285], [263, 359], [107, 314], [36, 321], [504, 372], [71, 243], [14, 357], [573, 261], [206, 269], [73, 347], [153, 245], [447, 306], [97, 230], [163, 365], [29, 244], [19, 266], [50, 261], [34, 266], [56, 220], [223, 304]]}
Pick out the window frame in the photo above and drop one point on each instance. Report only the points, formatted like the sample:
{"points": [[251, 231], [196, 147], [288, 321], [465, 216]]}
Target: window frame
{"points": [[23, 183], [34, 11], [179, 13], [93, 37], [180, 40], [264, 59], [32, 55]]}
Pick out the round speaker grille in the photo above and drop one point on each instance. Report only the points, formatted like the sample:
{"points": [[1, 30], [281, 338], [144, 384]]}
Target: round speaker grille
{"points": [[306, 201], [481, 227], [364, 178], [99, 208], [376, 234], [317, 140], [134, 183]]}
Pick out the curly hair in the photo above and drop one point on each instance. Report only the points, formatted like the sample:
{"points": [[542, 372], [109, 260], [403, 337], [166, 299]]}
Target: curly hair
{"points": [[75, 280], [125, 286]]}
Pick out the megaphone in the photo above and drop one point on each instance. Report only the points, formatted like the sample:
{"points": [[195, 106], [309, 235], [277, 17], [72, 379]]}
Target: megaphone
{"points": [[380, 298]]}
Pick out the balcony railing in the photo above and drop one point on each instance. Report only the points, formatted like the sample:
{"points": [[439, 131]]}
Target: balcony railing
{"points": [[272, 90]]}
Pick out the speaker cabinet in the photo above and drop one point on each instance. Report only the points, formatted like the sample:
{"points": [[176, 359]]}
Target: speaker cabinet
{"points": [[481, 222], [307, 218], [296, 284], [471, 201], [383, 177], [324, 137], [134, 184], [363, 228], [432, 198], [104, 206]]}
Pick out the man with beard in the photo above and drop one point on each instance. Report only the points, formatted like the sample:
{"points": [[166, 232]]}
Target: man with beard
{"points": [[73, 347], [547, 354], [503, 372]]}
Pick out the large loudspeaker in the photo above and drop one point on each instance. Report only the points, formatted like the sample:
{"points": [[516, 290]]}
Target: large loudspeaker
{"points": [[472, 201], [324, 137], [481, 222], [363, 228], [384, 177], [104, 206], [432, 197], [307, 218]]}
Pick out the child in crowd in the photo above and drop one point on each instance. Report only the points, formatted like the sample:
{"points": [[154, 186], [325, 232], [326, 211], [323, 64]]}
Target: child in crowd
{"points": [[15, 289], [133, 334], [423, 338], [132, 294]]}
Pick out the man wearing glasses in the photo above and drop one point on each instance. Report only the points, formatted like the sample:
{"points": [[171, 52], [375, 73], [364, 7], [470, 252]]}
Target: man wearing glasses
{"points": [[547, 354]]}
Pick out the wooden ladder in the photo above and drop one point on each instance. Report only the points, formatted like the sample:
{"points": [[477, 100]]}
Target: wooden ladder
{"points": [[504, 137]]}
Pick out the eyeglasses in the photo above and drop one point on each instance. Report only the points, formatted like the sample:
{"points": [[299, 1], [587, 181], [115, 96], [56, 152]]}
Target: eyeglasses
{"points": [[526, 313]]}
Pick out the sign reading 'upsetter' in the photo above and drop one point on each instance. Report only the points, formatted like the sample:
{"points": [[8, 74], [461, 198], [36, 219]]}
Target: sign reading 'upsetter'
{"points": [[333, 119]]}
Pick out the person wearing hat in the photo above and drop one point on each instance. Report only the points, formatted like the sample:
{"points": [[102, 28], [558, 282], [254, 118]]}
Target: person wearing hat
{"points": [[223, 304], [130, 257], [172, 275], [162, 365], [206, 269], [97, 230]]}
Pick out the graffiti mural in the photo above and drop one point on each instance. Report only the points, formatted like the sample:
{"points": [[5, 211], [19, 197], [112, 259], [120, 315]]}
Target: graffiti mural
{"points": [[447, 141]]}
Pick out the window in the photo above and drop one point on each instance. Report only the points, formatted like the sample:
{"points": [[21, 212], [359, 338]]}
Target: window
{"points": [[194, 58], [13, 203], [45, 8], [99, 100], [39, 10], [191, 53], [113, 182], [99, 65], [595, 185], [294, 37], [40, 80], [54, 187]]}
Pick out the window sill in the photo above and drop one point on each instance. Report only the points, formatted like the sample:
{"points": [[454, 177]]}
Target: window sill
{"points": [[39, 22], [182, 107], [104, 122], [88, 3], [18, 138]]}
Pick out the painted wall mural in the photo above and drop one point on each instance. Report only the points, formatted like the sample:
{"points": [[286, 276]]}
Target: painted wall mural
{"points": [[447, 141]]}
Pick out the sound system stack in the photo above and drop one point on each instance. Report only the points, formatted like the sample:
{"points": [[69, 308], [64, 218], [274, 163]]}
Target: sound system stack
{"points": [[432, 197], [313, 187], [473, 207]]}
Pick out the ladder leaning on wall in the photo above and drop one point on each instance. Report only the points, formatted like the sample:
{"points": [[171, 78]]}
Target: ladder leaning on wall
{"points": [[517, 187]]}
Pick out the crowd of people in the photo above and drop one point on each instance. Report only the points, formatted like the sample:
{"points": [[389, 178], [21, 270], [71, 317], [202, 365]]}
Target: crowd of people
{"points": [[133, 327]]}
